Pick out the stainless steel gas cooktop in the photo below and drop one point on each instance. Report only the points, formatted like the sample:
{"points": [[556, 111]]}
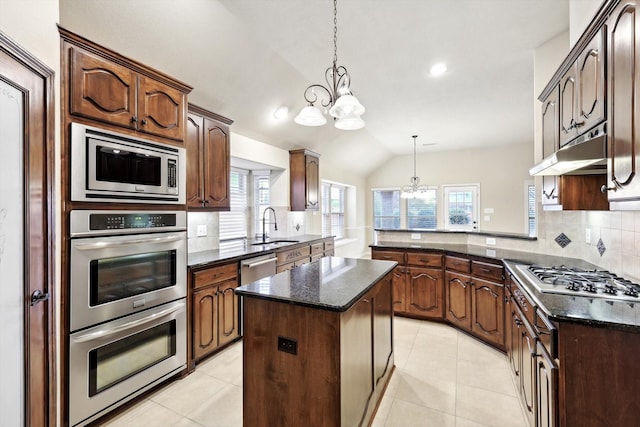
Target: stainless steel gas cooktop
{"points": [[576, 281]]}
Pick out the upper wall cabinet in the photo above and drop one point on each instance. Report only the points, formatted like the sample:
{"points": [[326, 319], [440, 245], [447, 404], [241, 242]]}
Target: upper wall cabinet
{"points": [[623, 182], [304, 170], [107, 87], [550, 143], [582, 94], [208, 160]]}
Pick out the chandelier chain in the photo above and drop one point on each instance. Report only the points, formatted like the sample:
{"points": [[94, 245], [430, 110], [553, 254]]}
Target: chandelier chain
{"points": [[335, 32]]}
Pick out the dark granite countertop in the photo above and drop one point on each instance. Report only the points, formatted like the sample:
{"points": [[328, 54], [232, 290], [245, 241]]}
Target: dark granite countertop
{"points": [[579, 309], [479, 233], [331, 283], [206, 258]]}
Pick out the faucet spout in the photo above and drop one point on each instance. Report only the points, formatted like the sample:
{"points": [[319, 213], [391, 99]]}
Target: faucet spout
{"points": [[275, 223]]}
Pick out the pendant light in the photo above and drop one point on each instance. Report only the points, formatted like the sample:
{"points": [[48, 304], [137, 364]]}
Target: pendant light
{"points": [[414, 189]]}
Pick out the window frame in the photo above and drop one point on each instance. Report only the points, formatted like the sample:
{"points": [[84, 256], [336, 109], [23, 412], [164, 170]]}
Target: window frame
{"points": [[327, 217], [435, 210], [235, 214], [258, 208], [400, 208]]}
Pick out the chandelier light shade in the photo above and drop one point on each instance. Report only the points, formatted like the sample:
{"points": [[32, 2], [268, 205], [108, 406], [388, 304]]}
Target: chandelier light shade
{"points": [[336, 96], [414, 190]]}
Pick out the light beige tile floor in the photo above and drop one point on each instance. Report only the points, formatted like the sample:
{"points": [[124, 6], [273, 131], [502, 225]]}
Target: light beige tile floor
{"points": [[442, 378]]}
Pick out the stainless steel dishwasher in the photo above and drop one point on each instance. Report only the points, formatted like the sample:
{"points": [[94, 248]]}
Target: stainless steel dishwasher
{"points": [[252, 269]]}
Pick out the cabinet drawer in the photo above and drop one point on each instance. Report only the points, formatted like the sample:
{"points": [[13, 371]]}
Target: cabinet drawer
{"points": [[317, 248], [462, 265], [295, 254], [547, 332], [214, 275], [424, 260], [488, 271], [328, 245], [389, 256], [316, 257]]}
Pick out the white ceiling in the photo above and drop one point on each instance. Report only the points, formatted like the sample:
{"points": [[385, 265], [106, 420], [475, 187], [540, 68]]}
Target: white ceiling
{"points": [[245, 58]]}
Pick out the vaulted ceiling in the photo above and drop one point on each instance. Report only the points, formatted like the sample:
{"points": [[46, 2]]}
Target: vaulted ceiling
{"points": [[245, 58]]}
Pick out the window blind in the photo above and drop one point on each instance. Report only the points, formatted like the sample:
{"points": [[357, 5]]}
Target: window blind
{"points": [[233, 224], [386, 209]]}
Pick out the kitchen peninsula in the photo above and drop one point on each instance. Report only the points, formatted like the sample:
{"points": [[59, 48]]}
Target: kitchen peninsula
{"points": [[318, 343]]}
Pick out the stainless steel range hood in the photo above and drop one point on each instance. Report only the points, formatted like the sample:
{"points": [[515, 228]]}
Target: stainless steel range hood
{"points": [[586, 155]]}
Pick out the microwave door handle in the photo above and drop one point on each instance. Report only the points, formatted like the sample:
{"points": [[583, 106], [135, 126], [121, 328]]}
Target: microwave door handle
{"points": [[101, 333], [108, 244]]}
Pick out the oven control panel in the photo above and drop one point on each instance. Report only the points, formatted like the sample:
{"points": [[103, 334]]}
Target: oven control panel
{"points": [[84, 223], [133, 220]]}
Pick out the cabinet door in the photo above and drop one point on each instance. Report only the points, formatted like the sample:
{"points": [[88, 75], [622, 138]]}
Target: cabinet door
{"points": [[216, 166], [512, 335], [356, 382], [227, 312], [195, 173], [591, 100], [547, 381], [205, 321], [161, 109], [528, 361], [622, 139], [550, 143], [424, 291], [398, 283], [313, 182], [458, 297], [487, 311], [102, 90], [568, 102]]}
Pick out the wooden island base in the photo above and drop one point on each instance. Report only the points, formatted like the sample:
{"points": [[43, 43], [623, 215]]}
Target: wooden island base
{"points": [[342, 363]]}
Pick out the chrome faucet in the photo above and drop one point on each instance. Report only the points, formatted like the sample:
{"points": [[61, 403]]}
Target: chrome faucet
{"points": [[275, 223]]}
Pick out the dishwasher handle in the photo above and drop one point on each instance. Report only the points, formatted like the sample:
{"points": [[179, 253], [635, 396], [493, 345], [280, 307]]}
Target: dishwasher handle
{"points": [[248, 264]]}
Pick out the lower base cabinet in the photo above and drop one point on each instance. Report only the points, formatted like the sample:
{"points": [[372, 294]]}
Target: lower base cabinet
{"points": [[214, 310]]}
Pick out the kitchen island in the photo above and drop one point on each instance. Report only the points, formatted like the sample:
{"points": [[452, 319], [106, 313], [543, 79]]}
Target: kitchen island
{"points": [[318, 344]]}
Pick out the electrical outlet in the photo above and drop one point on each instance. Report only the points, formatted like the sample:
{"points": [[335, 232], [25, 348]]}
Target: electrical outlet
{"points": [[487, 218], [202, 230], [587, 236], [415, 236], [491, 241], [288, 345], [491, 253]]}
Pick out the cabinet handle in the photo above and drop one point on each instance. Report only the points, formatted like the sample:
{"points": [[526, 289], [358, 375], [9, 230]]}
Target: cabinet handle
{"points": [[144, 122], [486, 270], [604, 188], [134, 119], [578, 124]]}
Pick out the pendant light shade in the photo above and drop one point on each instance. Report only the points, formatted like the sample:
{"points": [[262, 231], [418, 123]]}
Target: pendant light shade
{"points": [[346, 105], [310, 116], [350, 122]]}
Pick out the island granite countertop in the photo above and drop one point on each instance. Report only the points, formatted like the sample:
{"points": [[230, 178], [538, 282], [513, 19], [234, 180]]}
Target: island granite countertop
{"points": [[568, 308], [331, 283]]}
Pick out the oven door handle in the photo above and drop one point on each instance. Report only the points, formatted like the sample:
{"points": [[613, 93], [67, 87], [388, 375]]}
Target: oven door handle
{"points": [[107, 244], [101, 333]]}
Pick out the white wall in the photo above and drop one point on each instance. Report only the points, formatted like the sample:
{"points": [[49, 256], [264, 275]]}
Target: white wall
{"points": [[581, 12], [501, 172]]}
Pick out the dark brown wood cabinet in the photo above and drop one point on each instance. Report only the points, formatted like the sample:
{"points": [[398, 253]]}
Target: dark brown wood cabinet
{"points": [[109, 88], [623, 130], [568, 107], [296, 255], [474, 294], [551, 143], [208, 160], [547, 388], [215, 310], [417, 283], [304, 176]]}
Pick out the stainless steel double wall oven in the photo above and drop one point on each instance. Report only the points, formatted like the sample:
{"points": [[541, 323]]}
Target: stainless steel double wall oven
{"points": [[127, 271]]}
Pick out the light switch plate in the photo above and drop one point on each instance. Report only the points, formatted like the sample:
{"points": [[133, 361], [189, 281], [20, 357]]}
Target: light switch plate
{"points": [[491, 241], [415, 236], [202, 230], [587, 236]]}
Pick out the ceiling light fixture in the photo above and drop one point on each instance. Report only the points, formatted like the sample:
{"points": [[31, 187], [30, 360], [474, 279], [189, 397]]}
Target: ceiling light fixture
{"points": [[438, 69], [414, 190], [343, 106]]}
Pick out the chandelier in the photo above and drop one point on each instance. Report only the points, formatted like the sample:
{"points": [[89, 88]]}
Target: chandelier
{"points": [[337, 96], [414, 190]]}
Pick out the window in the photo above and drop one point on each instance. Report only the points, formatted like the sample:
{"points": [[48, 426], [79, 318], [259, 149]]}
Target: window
{"points": [[461, 207], [531, 208], [386, 209], [261, 192], [333, 209], [233, 224], [421, 212]]}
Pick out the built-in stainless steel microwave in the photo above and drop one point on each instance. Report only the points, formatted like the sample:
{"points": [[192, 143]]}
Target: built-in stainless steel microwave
{"points": [[111, 167]]}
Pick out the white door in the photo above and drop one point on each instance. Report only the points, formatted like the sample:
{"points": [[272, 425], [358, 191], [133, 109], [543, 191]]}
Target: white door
{"points": [[12, 370], [461, 207]]}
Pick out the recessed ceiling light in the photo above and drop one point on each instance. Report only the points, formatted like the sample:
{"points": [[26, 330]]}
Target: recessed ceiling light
{"points": [[438, 69], [281, 113]]}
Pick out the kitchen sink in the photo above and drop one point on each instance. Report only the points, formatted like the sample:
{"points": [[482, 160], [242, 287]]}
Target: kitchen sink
{"points": [[275, 242]]}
